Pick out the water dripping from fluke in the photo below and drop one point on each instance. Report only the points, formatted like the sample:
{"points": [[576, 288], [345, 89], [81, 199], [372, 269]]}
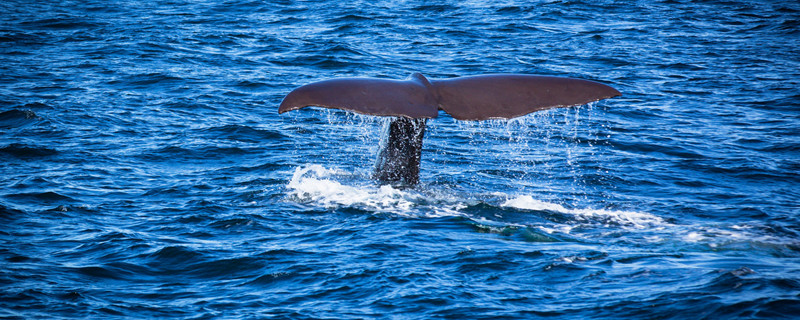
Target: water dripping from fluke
{"points": [[413, 101]]}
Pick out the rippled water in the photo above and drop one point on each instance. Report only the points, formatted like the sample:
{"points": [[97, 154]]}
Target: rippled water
{"points": [[145, 172]]}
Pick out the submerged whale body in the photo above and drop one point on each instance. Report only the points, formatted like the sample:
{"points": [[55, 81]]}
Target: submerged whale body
{"points": [[413, 101]]}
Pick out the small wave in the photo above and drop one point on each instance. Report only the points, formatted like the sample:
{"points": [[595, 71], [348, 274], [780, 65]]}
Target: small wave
{"points": [[9, 212], [26, 151], [40, 196], [349, 18], [62, 23], [639, 220], [16, 118], [244, 133], [436, 8], [147, 80], [192, 153], [253, 86], [98, 272], [271, 278]]}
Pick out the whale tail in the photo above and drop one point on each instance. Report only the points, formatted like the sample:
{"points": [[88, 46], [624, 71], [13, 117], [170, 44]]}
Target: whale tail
{"points": [[493, 96]]}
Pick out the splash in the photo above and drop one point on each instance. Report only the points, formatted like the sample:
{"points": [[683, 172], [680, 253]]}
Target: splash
{"points": [[318, 185]]}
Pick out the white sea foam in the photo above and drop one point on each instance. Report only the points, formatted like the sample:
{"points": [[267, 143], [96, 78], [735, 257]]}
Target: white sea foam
{"points": [[721, 234], [318, 185], [324, 187], [635, 219]]}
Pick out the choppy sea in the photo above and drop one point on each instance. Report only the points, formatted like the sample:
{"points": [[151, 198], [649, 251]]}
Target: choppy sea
{"points": [[145, 171]]}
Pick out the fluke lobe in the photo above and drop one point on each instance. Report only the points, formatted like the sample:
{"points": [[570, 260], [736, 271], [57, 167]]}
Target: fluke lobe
{"points": [[413, 101]]}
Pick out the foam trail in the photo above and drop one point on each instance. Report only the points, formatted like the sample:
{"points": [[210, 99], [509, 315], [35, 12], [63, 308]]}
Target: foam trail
{"points": [[323, 187], [639, 220], [318, 186]]}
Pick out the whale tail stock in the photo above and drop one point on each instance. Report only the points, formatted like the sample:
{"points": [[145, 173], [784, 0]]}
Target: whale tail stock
{"points": [[412, 101], [401, 152]]}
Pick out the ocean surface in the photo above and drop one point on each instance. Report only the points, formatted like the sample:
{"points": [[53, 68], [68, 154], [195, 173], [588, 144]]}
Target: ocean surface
{"points": [[145, 172]]}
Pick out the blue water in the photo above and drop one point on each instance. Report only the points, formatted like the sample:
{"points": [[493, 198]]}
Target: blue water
{"points": [[145, 172]]}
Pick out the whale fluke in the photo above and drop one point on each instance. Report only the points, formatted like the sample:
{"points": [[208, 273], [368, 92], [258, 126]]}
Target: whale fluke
{"points": [[493, 96], [378, 97], [506, 96], [412, 101]]}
